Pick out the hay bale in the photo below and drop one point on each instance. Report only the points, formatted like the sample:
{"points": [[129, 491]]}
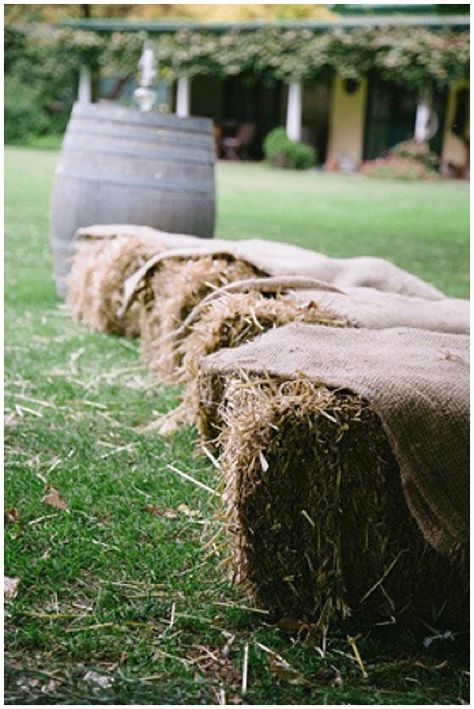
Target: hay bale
{"points": [[337, 502], [95, 283], [249, 308], [172, 291], [309, 536], [228, 320], [231, 320], [244, 309]]}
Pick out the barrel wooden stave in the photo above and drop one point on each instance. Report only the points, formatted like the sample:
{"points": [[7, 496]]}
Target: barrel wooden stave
{"points": [[121, 166]]}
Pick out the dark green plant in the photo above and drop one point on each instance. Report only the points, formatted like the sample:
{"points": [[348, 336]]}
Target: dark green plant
{"points": [[280, 151], [40, 86], [24, 113]]}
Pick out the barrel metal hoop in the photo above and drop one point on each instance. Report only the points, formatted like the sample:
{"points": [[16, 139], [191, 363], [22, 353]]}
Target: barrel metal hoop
{"points": [[185, 187], [124, 116], [153, 155], [164, 140]]}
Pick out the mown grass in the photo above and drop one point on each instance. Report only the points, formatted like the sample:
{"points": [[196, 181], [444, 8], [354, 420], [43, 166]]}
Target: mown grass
{"points": [[131, 594]]}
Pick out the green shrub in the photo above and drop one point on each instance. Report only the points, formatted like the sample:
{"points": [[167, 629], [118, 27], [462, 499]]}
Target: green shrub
{"points": [[280, 151], [40, 86], [24, 112]]}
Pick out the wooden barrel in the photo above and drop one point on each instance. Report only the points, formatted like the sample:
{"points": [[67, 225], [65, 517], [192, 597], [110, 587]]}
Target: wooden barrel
{"points": [[121, 166]]}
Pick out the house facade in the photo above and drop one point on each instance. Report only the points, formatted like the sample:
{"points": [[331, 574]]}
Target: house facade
{"points": [[347, 121]]}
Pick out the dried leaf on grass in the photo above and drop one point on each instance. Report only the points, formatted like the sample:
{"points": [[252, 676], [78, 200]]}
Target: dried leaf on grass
{"points": [[153, 510], [54, 499], [159, 512], [10, 586], [282, 669], [11, 515], [291, 624], [51, 686], [10, 420], [170, 514], [213, 664], [185, 510]]}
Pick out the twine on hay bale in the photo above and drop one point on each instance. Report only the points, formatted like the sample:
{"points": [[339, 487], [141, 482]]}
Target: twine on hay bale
{"points": [[333, 499], [95, 283]]}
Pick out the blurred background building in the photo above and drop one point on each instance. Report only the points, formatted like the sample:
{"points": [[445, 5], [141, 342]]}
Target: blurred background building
{"points": [[348, 116]]}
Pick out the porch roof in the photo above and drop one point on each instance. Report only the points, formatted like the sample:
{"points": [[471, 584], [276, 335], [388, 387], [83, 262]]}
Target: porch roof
{"points": [[348, 22]]}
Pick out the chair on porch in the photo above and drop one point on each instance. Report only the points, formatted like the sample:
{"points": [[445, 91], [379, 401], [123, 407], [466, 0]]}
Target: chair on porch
{"points": [[236, 147]]}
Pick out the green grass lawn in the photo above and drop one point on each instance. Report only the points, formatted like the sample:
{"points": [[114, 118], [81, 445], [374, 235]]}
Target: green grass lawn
{"points": [[120, 583]]}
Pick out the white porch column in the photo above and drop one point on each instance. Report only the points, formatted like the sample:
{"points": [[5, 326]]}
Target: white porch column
{"points": [[183, 97], [294, 111], [426, 120], [84, 94], [421, 120]]}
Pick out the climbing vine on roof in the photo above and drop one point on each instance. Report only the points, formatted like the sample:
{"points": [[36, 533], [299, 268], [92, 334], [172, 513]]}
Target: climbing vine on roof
{"points": [[42, 63], [413, 56]]}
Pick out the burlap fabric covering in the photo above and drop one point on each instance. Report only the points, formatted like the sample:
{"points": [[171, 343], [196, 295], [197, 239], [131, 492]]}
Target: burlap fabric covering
{"points": [[417, 383], [274, 258], [357, 306], [162, 239], [241, 310]]}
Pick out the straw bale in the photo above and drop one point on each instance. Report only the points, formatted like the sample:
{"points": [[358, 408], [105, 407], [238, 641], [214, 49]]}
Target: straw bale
{"points": [[231, 319], [416, 381], [359, 306], [172, 291], [95, 283], [345, 455], [318, 526], [226, 320]]}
